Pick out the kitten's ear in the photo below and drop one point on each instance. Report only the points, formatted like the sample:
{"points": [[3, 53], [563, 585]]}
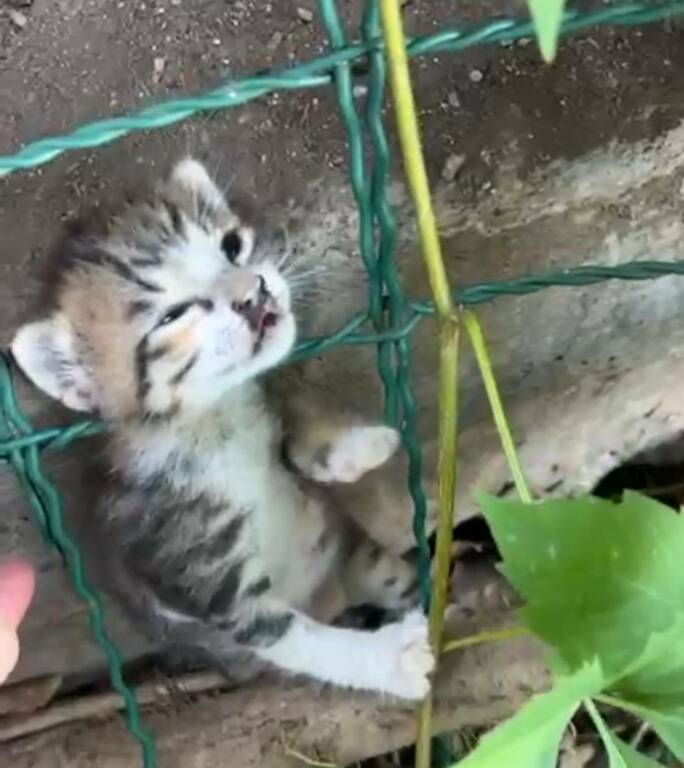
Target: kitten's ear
{"points": [[46, 351], [192, 175]]}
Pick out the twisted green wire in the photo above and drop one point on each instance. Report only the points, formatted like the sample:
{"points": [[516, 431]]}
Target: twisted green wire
{"points": [[315, 74], [360, 184], [480, 293], [349, 335], [392, 317], [47, 506], [401, 395], [387, 286], [400, 402]]}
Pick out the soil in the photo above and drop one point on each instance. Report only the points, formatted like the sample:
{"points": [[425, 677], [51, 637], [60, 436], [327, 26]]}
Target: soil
{"points": [[65, 62], [488, 114]]}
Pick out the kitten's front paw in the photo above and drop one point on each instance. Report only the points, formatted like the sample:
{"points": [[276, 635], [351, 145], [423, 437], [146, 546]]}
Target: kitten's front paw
{"points": [[409, 656], [357, 451]]}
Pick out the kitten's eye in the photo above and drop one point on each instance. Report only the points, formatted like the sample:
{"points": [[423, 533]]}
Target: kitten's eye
{"points": [[231, 245], [174, 314]]}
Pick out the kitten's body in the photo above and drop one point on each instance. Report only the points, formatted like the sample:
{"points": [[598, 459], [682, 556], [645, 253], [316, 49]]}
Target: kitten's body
{"points": [[241, 500], [217, 530]]}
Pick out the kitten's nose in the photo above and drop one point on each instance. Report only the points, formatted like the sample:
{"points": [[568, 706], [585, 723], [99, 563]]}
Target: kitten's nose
{"points": [[248, 294]]}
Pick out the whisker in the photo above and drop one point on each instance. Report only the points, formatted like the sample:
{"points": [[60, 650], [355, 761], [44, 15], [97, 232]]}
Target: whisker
{"points": [[225, 188], [305, 270], [282, 261], [298, 256], [291, 271], [308, 279], [309, 290]]}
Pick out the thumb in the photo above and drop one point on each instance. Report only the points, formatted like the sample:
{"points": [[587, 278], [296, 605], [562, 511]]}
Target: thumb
{"points": [[17, 583], [9, 651]]}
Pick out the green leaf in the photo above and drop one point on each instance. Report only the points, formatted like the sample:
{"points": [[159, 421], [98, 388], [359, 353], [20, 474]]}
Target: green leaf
{"points": [[531, 738], [658, 673], [669, 725], [620, 754], [547, 16], [600, 580], [605, 581], [634, 759], [666, 717], [653, 688]]}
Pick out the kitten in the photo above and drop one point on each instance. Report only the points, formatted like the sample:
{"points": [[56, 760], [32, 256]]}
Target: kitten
{"points": [[215, 533]]}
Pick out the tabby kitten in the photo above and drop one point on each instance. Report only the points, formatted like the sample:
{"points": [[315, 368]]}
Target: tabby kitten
{"points": [[214, 541]]}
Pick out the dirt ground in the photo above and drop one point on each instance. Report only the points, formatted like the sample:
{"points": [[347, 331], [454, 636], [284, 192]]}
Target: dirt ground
{"points": [[495, 114], [64, 62]]}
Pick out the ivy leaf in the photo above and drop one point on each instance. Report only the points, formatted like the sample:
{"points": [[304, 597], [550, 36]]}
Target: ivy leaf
{"points": [[665, 716], [547, 16], [605, 581], [531, 738], [600, 579], [658, 673], [653, 688], [620, 754], [669, 725], [633, 759]]}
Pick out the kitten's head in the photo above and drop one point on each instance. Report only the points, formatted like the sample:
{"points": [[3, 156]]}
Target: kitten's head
{"points": [[169, 310]]}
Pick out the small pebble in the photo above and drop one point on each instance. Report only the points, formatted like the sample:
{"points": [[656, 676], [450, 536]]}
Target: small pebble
{"points": [[452, 166], [19, 19], [360, 90], [275, 41], [476, 76], [454, 100], [159, 65], [305, 15]]}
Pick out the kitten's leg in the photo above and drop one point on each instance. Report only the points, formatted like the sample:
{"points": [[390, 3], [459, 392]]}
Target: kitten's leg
{"points": [[341, 455], [324, 443], [395, 659], [374, 576]]}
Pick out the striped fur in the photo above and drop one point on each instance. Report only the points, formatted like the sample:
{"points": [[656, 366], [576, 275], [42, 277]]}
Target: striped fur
{"points": [[210, 537]]}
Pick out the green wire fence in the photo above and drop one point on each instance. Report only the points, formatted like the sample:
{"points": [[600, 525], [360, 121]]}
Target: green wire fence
{"points": [[390, 317]]}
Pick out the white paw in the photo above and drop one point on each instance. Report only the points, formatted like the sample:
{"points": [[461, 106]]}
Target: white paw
{"points": [[355, 452], [409, 657]]}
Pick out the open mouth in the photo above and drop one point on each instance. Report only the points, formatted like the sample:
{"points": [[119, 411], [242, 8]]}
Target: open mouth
{"points": [[268, 319]]}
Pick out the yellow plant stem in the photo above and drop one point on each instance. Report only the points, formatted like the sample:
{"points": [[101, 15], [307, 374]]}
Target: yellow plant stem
{"points": [[414, 164], [448, 409], [489, 636], [474, 329]]}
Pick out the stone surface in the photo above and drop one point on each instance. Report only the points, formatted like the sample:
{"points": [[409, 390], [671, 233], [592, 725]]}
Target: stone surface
{"points": [[563, 167]]}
